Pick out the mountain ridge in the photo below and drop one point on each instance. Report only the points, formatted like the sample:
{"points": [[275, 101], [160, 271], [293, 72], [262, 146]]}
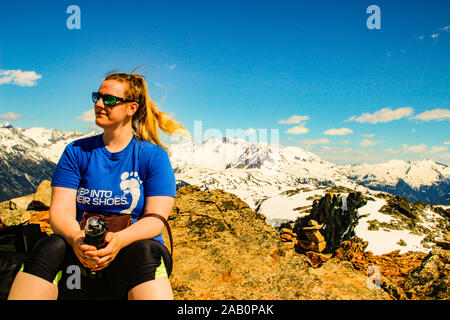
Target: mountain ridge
{"points": [[253, 171]]}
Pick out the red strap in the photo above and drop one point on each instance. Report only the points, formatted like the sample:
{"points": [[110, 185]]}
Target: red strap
{"points": [[169, 231]]}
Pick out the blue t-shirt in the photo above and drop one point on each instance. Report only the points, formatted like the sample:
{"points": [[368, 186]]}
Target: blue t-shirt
{"points": [[117, 182]]}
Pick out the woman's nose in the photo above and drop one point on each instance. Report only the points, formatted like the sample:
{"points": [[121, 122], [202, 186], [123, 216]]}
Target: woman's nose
{"points": [[99, 104]]}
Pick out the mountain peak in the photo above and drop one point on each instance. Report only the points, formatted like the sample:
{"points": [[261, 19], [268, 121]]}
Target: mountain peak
{"points": [[6, 125]]}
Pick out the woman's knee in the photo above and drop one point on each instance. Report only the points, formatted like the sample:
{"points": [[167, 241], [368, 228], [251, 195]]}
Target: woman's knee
{"points": [[144, 250], [46, 257], [49, 247]]}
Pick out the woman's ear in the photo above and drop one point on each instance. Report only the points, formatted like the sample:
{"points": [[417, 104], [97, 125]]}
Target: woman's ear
{"points": [[132, 108]]}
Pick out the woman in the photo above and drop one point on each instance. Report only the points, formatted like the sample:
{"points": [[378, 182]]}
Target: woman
{"points": [[125, 170]]}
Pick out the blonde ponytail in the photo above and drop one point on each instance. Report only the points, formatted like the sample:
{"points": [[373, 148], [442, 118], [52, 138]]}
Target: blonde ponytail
{"points": [[148, 119]]}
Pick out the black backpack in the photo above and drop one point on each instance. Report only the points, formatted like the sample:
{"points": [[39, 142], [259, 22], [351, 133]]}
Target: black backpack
{"points": [[16, 243]]}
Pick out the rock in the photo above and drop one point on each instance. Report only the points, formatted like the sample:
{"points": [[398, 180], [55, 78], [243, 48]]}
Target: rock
{"points": [[26, 216], [276, 252], [42, 218], [400, 206], [313, 228], [312, 225], [431, 279], [286, 237], [7, 205], [311, 246], [412, 275], [317, 259], [314, 235], [288, 231], [443, 212], [21, 203], [288, 245], [42, 198], [443, 244]]}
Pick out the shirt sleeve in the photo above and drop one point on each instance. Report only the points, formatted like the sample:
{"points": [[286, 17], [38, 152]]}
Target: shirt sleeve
{"points": [[67, 173], [160, 176]]}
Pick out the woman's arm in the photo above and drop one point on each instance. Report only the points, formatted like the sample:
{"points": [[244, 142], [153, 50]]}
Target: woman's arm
{"points": [[63, 213], [62, 218], [148, 227], [145, 228]]}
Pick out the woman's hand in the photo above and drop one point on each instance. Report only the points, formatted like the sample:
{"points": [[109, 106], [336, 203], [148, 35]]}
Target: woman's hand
{"points": [[106, 255], [81, 250]]}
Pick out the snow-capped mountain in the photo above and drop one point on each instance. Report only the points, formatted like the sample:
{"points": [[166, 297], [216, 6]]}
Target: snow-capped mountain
{"points": [[28, 156], [253, 172], [424, 180]]}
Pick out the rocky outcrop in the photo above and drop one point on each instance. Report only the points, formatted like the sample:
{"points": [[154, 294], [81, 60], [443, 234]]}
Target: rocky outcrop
{"points": [[410, 217], [431, 279], [32, 208], [412, 275]]}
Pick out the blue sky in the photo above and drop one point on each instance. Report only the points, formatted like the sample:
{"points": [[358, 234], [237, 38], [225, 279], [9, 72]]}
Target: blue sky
{"points": [[310, 69]]}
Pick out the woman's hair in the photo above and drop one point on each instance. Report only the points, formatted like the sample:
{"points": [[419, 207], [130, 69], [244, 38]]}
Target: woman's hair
{"points": [[147, 119]]}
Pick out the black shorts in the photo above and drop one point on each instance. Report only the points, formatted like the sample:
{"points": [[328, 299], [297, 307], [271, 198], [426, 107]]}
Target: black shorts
{"points": [[53, 260]]}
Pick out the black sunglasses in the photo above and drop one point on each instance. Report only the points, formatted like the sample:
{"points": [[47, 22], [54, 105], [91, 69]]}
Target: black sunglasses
{"points": [[108, 99]]}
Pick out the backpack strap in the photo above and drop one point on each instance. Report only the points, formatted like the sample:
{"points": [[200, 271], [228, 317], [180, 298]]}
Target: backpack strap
{"points": [[169, 231]]}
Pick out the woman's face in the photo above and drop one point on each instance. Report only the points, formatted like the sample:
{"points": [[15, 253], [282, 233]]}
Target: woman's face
{"points": [[117, 115]]}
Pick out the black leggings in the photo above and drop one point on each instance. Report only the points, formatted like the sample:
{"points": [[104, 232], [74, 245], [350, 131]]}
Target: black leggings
{"points": [[53, 260]]}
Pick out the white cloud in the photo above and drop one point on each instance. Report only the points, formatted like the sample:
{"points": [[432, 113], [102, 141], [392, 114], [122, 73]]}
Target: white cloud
{"points": [[420, 148], [298, 129], [367, 143], [11, 116], [93, 127], [389, 150], [417, 148], [371, 135], [435, 114], [314, 141], [338, 132], [294, 119], [434, 35], [158, 84], [447, 142], [421, 37], [87, 116], [436, 149], [383, 115], [19, 77], [250, 131], [349, 155], [445, 28], [172, 67]]}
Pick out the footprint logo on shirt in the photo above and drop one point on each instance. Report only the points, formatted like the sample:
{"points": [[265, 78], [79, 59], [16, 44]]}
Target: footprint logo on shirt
{"points": [[130, 183]]}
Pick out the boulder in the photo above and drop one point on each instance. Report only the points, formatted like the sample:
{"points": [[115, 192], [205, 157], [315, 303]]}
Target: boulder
{"points": [[430, 280], [42, 198], [21, 203], [311, 246], [314, 235]]}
